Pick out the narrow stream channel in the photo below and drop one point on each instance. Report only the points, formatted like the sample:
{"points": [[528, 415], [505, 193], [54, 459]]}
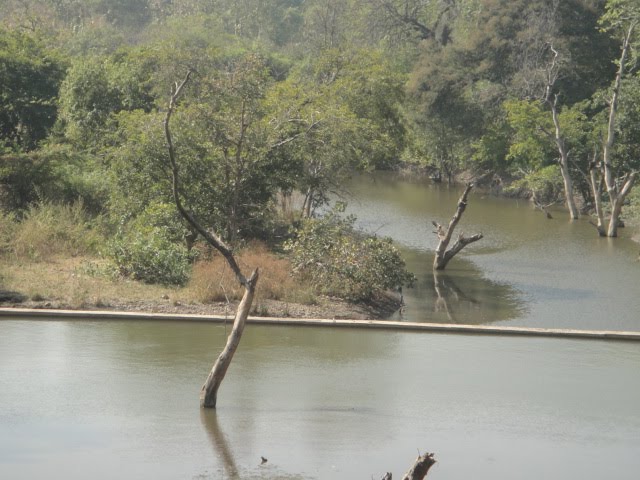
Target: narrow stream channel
{"points": [[526, 271]]}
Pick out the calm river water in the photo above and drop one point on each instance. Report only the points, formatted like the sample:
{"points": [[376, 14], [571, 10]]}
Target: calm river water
{"points": [[526, 271], [105, 400]]}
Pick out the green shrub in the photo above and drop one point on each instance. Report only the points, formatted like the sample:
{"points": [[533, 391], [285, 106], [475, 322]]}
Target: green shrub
{"points": [[8, 226], [52, 174], [22, 179], [151, 257], [339, 261]]}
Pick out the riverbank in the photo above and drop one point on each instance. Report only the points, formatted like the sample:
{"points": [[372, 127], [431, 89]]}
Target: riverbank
{"points": [[503, 186], [81, 283], [327, 307]]}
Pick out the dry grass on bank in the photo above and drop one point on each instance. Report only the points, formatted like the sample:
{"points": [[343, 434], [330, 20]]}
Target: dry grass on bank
{"points": [[73, 282], [51, 256], [87, 282], [213, 281], [51, 259]]}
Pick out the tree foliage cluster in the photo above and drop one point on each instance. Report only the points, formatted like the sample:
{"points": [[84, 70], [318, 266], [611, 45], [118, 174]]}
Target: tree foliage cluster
{"points": [[89, 84], [290, 96], [327, 254]]}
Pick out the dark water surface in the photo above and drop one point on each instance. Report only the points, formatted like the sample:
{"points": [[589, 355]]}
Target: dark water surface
{"points": [[107, 400], [526, 271]]}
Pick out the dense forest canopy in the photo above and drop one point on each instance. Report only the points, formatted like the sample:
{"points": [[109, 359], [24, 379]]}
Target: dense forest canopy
{"points": [[290, 96]]}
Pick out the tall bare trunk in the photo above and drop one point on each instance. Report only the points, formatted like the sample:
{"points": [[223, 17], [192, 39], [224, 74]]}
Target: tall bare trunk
{"points": [[564, 165], [306, 206], [209, 393], [616, 195], [596, 187], [552, 76], [617, 203]]}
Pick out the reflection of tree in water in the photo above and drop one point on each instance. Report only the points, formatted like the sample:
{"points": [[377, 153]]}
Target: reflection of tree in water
{"points": [[447, 293], [221, 447], [223, 451], [467, 297]]}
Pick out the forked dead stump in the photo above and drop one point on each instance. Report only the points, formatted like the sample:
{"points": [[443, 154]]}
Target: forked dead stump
{"points": [[443, 255]]}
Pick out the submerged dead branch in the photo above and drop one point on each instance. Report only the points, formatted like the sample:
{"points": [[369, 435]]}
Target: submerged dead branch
{"points": [[421, 467], [418, 470], [544, 208]]}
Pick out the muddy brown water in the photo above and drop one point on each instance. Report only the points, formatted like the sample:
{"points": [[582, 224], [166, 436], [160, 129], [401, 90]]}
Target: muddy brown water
{"points": [[119, 399]]}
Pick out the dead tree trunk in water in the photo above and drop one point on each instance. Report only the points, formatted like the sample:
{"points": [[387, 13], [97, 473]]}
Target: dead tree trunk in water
{"points": [[552, 100], [420, 468], [442, 255], [209, 394]]}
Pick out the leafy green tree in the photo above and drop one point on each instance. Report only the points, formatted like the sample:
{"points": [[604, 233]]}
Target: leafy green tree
{"points": [[491, 151], [497, 50], [95, 89], [30, 75], [228, 135], [352, 102], [530, 148]]}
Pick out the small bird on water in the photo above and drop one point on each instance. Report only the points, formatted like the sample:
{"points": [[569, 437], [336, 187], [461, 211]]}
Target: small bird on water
{"points": [[264, 460]]}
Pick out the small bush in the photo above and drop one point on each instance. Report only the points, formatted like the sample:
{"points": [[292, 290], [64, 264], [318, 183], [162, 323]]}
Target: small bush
{"points": [[151, 257], [339, 261]]}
